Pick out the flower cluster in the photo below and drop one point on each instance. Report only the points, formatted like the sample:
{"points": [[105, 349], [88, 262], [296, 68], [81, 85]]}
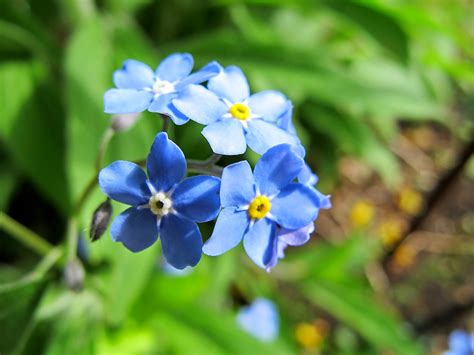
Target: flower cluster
{"points": [[270, 208]]}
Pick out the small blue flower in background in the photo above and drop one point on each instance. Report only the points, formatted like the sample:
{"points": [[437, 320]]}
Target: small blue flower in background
{"points": [[233, 118], [139, 88], [255, 205], [260, 319], [460, 343], [301, 236], [163, 203]]}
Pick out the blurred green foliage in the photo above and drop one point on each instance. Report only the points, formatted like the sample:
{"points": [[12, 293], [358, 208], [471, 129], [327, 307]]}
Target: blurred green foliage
{"points": [[353, 69]]}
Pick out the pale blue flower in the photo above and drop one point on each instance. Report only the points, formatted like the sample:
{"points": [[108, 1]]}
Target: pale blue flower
{"points": [[260, 319], [255, 205], [233, 117], [139, 88]]}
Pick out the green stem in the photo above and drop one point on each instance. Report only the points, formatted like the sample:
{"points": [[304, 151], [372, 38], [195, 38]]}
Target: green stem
{"points": [[166, 123], [104, 143], [24, 235], [213, 170], [72, 237]]}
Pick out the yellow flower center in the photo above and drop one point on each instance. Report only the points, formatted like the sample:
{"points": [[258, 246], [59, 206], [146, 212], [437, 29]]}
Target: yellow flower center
{"points": [[240, 111], [259, 207]]}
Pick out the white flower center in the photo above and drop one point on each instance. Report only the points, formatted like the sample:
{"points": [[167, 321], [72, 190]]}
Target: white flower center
{"points": [[161, 87], [160, 204]]}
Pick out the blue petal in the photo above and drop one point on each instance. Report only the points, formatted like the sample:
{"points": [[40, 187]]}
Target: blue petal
{"points": [[268, 104], [226, 137], [258, 241], [285, 121], [125, 182], [262, 135], [296, 237], [237, 187], [307, 177], [175, 67], [228, 231], [277, 252], [162, 104], [230, 84], [260, 319], [134, 75], [295, 206], [200, 104], [324, 200], [460, 342], [181, 241], [197, 198], [166, 164], [136, 228], [126, 100], [277, 168], [205, 73]]}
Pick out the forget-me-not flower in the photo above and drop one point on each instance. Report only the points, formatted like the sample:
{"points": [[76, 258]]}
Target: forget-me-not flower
{"points": [[460, 343], [233, 117], [260, 319], [163, 204], [256, 204], [298, 237], [139, 88]]}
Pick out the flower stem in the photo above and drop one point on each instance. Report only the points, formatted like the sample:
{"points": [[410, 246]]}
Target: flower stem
{"points": [[72, 237], [24, 235], [213, 170], [166, 122], [212, 160], [104, 143]]}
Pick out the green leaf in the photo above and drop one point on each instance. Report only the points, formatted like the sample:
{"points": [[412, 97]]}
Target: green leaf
{"points": [[127, 278], [8, 179], [67, 323], [353, 136], [355, 306], [18, 301], [222, 329], [384, 28], [32, 127], [88, 73]]}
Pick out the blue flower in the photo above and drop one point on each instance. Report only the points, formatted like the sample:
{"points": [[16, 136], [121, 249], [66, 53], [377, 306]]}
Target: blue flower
{"points": [[460, 343], [254, 205], [163, 203], [298, 237], [260, 319], [139, 88], [233, 118]]}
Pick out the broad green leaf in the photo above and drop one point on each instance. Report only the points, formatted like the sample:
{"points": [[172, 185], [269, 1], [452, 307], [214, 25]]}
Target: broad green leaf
{"points": [[88, 74], [126, 6], [178, 337], [358, 308], [8, 179], [385, 29], [221, 328], [127, 279], [67, 323], [353, 136], [18, 302], [32, 127]]}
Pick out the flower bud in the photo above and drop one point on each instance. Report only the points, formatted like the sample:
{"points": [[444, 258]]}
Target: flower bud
{"points": [[100, 220], [74, 275], [125, 121]]}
